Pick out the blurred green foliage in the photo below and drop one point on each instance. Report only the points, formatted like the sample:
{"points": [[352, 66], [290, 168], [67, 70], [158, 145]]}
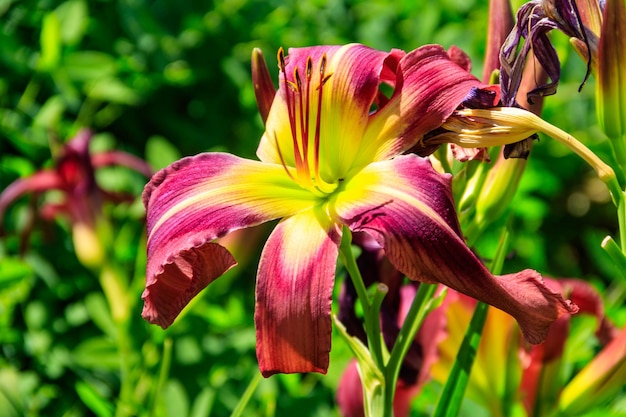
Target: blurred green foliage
{"points": [[162, 80]]}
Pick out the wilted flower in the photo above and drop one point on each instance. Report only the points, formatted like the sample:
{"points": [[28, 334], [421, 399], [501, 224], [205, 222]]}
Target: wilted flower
{"points": [[577, 19]]}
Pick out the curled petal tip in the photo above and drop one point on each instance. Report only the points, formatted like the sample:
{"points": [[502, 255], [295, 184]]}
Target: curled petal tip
{"points": [[537, 306], [180, 279]]}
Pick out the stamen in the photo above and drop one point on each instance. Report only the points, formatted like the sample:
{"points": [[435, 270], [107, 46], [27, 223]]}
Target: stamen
{"points": [[309, 68], [280, 155], [280, 57], [303, 127], [291, 110], [318, 118], [297, 94]]}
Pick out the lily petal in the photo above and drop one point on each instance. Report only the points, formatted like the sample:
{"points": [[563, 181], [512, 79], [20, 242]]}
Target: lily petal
{"points": [[294, 293], [351, 77], [194, 201], [40, 181], [407, 207], [429, 87], [119, 158]]}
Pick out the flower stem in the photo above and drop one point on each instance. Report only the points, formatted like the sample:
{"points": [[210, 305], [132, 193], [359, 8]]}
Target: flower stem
{"points": [[166, 360], [247, 395], [604, 171], [621, 220], [619, 149], [412, 322], [371, 305]]}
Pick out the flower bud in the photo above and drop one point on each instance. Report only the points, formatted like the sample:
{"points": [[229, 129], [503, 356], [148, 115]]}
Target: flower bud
{"points": [[611, 85], [263, 86], [87, 245]]}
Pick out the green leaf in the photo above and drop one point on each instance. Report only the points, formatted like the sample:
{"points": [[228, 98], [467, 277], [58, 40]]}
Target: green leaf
{"points": [[203, 403], [50, 41], [449, 404], [113, 90], [12, 272], [51, 113], [175, 399], [247, 395], [160, 152], [89, 65], [94, 400], [99, 313], [97, 353], [73, 16], [16, 280], [372, 379]]}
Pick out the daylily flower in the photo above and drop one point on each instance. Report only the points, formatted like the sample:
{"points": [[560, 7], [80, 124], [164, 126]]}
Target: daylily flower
{"points": [[330, 158], [74, 176]]}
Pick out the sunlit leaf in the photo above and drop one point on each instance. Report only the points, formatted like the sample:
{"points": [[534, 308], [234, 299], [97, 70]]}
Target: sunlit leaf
{"points": [[113, 90], [96, 353], [160, 152], [73, 16], [94, 400], [50, 43], [51, 112], [89, 65]]}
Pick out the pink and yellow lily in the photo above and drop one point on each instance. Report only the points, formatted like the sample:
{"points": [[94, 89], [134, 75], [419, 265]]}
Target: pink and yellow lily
{"points": [[331, 157]]}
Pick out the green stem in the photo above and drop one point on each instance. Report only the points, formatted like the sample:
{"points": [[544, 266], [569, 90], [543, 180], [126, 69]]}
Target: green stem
{"points": [[124, 405], [370, 310], [619, 149], [247, 395], [116, 293], [379, 293], [163, 374], [617, 256], [621, 220], [412, 323]]}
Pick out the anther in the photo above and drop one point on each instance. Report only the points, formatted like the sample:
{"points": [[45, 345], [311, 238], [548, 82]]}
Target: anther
{"points": [[309, 68], [296, 76], [281, 59]]}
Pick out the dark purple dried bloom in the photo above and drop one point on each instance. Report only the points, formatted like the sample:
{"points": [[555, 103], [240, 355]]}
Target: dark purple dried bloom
{"points": [[534, 20]]}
